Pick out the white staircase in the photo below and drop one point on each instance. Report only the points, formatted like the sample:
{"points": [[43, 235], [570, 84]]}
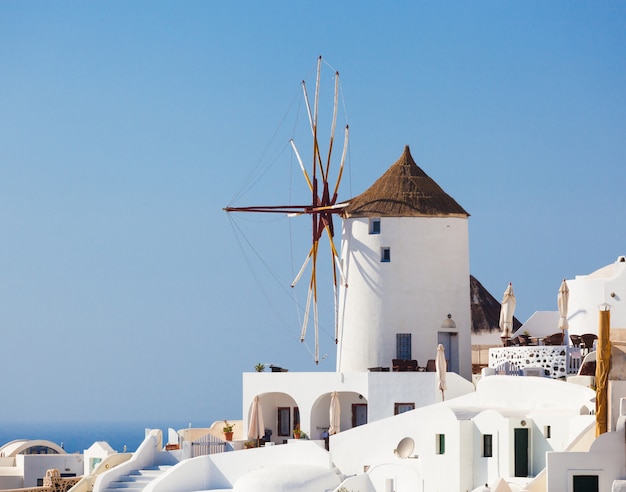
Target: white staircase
{"points": [[136, 480]]}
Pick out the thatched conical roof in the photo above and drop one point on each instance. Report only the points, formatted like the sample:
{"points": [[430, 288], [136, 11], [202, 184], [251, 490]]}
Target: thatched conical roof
{"points": [[404, 191], [485, 309]]}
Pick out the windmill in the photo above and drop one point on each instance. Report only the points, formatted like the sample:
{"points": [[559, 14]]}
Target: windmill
{"points": [[323, 205]]}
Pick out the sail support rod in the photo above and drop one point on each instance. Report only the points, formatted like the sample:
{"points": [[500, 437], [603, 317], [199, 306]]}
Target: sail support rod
{"points": [[322, 207]]}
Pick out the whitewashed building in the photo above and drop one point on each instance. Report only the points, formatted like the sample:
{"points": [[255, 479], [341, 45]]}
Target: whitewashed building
{"points": [[405, 261], [586, 292], [405, 258]]}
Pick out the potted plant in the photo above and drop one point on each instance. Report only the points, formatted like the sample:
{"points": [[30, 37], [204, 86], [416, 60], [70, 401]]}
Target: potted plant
{"points": [[228, 430], [297, 432], [525, 338], [259, 367]]}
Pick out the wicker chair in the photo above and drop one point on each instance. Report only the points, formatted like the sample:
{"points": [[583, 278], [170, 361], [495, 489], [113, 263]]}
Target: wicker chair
{"points": [[554, 339], [404, 365], [576, 340], [588, 339]]}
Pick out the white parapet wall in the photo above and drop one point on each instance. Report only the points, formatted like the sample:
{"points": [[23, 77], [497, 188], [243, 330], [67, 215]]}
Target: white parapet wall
{"points": [[221, 471]]}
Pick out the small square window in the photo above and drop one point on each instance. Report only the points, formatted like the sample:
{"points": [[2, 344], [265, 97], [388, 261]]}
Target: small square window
{"points": [[374, 226], [586, 483], [487, 445], [385, 254], [440, 442], [547, 431]]}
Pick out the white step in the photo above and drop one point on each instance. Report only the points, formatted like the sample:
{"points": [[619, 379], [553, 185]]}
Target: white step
{"points": [[136, 480]]}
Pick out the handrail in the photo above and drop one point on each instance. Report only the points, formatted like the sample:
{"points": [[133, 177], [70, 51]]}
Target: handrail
{"points": [[144, 456]]}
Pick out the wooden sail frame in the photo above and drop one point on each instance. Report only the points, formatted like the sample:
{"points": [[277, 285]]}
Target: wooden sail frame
{"points": [[322, 208]]}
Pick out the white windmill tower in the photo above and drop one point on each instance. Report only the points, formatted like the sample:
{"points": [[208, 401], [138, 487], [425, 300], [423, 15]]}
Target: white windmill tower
{"points": [[405, 260]]}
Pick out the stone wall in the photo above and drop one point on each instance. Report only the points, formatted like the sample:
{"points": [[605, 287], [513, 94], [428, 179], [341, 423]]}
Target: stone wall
{"points": [[53, 482]]}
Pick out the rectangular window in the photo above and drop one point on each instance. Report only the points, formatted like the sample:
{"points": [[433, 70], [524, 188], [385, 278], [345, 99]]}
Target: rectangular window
{"points": [[586, 483], [284, 422], [385, 254], [487, 445], [403, 346], [547, 431], [374, 226], [399, 408], [440, 442]]}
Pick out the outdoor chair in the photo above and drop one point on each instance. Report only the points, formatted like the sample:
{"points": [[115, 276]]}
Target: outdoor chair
{"points": [[576, 340], [588, 339], [588, 369], [554, 339], [404, 365], [430, 366]]}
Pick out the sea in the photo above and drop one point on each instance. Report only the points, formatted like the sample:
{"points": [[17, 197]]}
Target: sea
{"points": [[76, 437]]}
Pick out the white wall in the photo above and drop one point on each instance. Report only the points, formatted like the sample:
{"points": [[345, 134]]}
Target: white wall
{"points": [[300, 389], [96, 453], [388, 388], [587, 292], [222, 470], [373, 446], [11, 478], [36, 465], [605, 459], [426, 279], [488, 469], [310, 392]]}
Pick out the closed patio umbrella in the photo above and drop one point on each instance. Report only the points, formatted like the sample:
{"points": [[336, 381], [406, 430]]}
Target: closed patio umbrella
{"points": [[562, 300], [335, 414], [441, 367], [256, 428], [603, 367], [507, 309]]}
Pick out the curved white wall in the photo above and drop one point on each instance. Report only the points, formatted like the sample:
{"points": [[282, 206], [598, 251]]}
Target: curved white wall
{"points": [[426, 279]]}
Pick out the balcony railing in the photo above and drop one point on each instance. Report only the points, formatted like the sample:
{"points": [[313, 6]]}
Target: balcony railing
{"points": [[557, 361]]}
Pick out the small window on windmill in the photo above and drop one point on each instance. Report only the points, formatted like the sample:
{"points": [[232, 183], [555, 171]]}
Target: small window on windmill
{"points": [[374, 226], [403, 346], [440, 443], [385, 254]]}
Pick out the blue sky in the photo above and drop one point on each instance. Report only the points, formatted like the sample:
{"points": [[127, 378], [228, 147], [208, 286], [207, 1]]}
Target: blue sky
{"points": [[126, 127]]}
